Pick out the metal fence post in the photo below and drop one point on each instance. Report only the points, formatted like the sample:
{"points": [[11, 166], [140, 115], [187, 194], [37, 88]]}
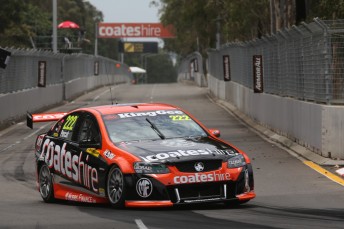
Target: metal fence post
{"points": [[327, 55]]}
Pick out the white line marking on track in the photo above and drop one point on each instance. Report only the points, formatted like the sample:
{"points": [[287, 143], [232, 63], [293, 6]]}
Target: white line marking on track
{"points": [[101, 94], [35, 132], [25, 138], [152, 93], [140, 224]]}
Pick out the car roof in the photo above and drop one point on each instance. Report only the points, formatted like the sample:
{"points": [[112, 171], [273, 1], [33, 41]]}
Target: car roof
{"points": [[129, 107]]}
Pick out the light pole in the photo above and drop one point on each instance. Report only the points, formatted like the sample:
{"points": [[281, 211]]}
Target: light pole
{"points": [[54, 42], [96, 40], [218, 29]]}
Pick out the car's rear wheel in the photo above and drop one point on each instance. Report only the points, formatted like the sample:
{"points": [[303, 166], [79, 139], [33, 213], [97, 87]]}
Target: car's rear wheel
{"points": [[116, 187], [46, 184]]}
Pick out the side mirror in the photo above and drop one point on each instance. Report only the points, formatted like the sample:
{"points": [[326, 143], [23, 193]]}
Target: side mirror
{"points": [[215, 132]]}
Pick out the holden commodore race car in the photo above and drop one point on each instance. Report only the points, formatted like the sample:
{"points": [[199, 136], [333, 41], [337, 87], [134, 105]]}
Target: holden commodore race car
{"points": [[137, 155]]}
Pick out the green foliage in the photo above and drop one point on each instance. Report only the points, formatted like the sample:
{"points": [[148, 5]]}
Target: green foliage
{"points": [[28, 23], [20, 22], [326, 9], [160, 69], [195, 22]]}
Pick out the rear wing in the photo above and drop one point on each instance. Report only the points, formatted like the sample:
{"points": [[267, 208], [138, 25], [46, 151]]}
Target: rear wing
{"points": [[44, 117]]}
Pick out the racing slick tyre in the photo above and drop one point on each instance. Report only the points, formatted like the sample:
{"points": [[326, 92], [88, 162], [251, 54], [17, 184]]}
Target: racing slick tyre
{"points": [[46, 184], [116, 187]]}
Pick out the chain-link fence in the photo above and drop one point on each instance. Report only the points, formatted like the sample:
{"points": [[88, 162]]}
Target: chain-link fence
{"points": [[305, 62], [23, 69]]}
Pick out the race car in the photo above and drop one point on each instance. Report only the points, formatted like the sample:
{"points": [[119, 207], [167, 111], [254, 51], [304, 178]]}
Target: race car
{"points": [[137, 155]]}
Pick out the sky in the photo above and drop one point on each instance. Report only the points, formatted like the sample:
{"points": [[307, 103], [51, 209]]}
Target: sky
{"points": [[127, 10]]}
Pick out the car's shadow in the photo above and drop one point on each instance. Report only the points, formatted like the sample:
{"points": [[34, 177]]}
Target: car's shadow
{"points": [[189, 207]]}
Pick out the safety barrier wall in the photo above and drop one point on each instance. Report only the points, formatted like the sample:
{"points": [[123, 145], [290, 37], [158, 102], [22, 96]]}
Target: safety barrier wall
{"points": [[302, 91], [191, 69], [66, 77]]}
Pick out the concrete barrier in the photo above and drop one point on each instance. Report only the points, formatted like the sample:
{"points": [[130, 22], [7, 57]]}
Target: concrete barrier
{"points": [[15, 105], [79, 86], [318, 127]]}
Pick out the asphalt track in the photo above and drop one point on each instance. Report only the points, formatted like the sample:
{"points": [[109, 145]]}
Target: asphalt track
{"points": [[289, 193]]}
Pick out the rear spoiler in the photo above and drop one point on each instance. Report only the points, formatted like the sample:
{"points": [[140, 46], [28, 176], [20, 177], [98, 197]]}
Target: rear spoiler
{"points": [[44, 117]]}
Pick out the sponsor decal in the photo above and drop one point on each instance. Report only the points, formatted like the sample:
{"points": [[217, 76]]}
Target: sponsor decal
{"points": [[64, 134], [186, 153], [110, 117], [102, 192], [39, 142], [200, 178], [144, 187], [195, 64], [180, 117], [258, 73], [47, 117], [199, 166], [70, 122], [109, 154], [120, 30], [96, 68], [71, 166], [79, 198], [138, 47], [93, 151], [42, 73], [150, 113], [226, 68], [142, 167]]}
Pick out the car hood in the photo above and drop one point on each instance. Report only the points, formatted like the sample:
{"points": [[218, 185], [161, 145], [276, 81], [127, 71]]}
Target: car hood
{"points": [[174, 150]]}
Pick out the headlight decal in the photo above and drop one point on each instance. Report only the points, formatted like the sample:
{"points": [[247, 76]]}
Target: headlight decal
{"points": [[150, 168], [236, 161]]}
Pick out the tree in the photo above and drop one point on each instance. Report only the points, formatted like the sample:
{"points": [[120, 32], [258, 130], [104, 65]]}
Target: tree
{"points": [[19, 23], [160, 69], [195, 22], [27, 24], [325, 9]]}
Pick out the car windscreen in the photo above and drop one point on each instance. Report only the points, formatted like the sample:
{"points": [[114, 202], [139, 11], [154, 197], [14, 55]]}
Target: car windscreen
{"points": [[151, 125]]}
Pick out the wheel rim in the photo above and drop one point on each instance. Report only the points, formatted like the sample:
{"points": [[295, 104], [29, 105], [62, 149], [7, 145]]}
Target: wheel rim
{"points": [[45, 182], [115, 185]]}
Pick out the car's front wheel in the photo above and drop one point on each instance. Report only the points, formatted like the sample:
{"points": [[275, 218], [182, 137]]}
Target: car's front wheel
{"points": [[116, 187], [46, 184]]}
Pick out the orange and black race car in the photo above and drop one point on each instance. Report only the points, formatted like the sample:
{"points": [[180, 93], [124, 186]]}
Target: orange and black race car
{"points": [[137, 155]]}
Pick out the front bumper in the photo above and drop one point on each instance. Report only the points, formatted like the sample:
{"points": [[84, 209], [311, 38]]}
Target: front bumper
{"points": [[167, 194]]}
